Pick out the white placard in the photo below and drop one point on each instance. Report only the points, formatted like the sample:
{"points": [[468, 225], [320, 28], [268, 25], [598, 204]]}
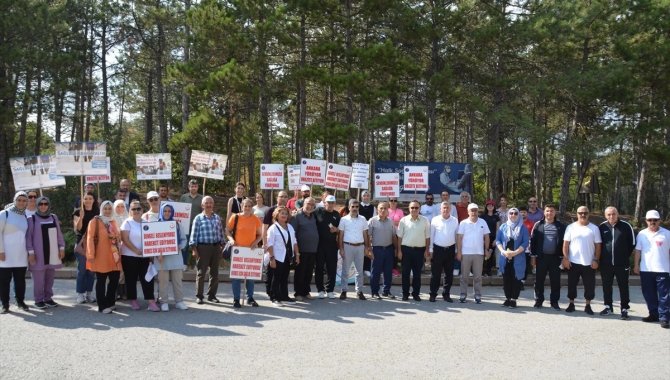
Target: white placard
{"points": [[207, 165], [338, 177], [294, 177], [81, 158], [415, 178], [159, 238], [312, 172], [35, 172], [360, 175], [387, 185], [153, 166], [272, 176], [106, 178], [246, 263], [182, 214]]}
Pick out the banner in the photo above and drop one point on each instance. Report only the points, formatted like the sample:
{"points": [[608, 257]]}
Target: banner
{"points": [[159, 238], [35, 172], [294, 177], [360, 176], [312, 172], [81, 158], [246, 263], [272, 176], [182, 214], [153, 166], [337, 177], [106, 178], [387, 185], [449, 176], [207, 165], [415, 178]]}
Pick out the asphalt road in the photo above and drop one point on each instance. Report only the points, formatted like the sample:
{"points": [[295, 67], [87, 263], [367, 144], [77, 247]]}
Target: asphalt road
{"points": [[331, 339]]}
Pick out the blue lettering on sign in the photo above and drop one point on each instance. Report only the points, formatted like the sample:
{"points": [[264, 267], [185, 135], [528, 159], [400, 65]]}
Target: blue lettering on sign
{"points": [[450, 176]]}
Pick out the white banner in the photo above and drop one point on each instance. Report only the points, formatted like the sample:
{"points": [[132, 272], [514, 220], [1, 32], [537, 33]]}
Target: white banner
{"points": [[387, 185], [153, 166], [415, 178], [337, 177], [360, 176], [207, 165], [312, 172], [246, 263], [272, 176], [35, 172], [294, 177], [105, 178], [81, 158], [159, 238], [182, 214]]}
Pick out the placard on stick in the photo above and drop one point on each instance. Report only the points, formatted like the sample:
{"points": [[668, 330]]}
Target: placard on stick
{"points": [[246, 263], [387, 185], [272, 176], [159, 238], [312, 172], [337, 177], [415, 178]]}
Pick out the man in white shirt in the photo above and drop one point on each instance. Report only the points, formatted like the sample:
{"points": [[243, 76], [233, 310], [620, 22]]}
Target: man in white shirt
{"points": [[472, 243], [414, 245], [442, 251], [354, 244], [652, 263], [581, 253], [430, 210]]}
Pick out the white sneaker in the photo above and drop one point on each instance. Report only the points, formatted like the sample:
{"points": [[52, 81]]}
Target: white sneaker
{"points": [[277, 303], [331, 295], [181, 305], [367, 273], [165, 307], [81, 298], [107, 310], [90, 298], [456, 272], [322, 294]]}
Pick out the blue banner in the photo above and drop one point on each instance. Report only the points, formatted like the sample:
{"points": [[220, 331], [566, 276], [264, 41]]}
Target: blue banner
{"points": [[450, 176]]}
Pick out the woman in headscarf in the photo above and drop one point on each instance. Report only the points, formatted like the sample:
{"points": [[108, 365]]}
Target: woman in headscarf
{"points": [[13, 252], [120, 214], [511, 241], [171, 267], [46, 249], [103, 257], [81, 219], [31, 208]]}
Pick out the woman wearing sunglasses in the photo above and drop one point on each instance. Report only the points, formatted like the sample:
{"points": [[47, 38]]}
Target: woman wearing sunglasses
{"points": [[102, 254], [31, 209], [511, 241]]}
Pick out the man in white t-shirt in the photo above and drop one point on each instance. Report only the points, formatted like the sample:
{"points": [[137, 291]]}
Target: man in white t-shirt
{"points": [[652, 263], [429, 210], [472, 242], [354, 244], [581, 254]]}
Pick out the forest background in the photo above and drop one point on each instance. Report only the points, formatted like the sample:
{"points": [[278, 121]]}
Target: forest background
{"points": [[543, 97]]}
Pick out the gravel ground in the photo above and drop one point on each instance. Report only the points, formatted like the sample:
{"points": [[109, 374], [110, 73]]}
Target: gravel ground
{"points": [[331, 339]]}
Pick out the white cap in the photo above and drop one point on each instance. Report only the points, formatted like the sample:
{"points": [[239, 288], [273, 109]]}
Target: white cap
{"points": [[305, 188], [653, 214], [330, 198], [473, 206], [152, 194]]}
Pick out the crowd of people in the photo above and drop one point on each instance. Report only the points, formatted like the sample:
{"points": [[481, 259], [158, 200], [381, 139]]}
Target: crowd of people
{"points": [[381, 241]]}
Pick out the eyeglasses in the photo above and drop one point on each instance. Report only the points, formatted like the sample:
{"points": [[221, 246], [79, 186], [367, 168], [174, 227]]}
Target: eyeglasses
{"points": [[514, 213], [32, 196], [532, 201], [652, 220], [350, 207], [413, 208], [136, 209], [43, 204], [429, 199], [153, 199], [582, 213], [393, 200]]}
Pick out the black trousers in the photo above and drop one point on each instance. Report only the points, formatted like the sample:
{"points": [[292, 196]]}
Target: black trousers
{"points": [[280, 279], [19, 276], [105, 292], [511, 285], [588, 276], [442, 261], [303, 273], [326, 258], [607, 273], [412, 262], [134, 269], [548, 264], [269, 275]]}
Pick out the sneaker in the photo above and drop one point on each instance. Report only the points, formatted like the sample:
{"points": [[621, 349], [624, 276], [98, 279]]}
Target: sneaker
{"points": [[81, 298], [331, 295], [665, 324], [153, 306], [237, 304], [512, 304], [361, 296], [199, 300], [478, 300], [447, 297], [462, 299], [213, 299], [416, 298], [608, 310], [165, 307], [650, 318], [624, 314], [290, 301], [90, 298], [570, 308], [251, 301], [405, 298], [299, 298], [309, 296], [22, 305], [376, 296], [322, 294], [431, 298], [51, 303], [506, 303], [554, 305], [181, 305], [343, 295], [588, 310], [134, 305], [277, 303], [4, 310], [388, 295], [41, 305], [108, 310], [538, 304]]}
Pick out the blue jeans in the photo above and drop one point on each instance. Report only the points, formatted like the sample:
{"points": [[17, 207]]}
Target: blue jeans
{"points": [[237, 288], [382, 263], [185, 253], [656, 292], [85, 278]]}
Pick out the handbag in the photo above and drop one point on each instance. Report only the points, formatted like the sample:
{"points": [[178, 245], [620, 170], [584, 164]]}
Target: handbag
{"points": [[228, 248], [80, 247]]}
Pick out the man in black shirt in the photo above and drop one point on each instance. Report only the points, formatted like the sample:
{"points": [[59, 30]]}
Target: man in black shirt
{"points": [[546, 242], [327, 221]]}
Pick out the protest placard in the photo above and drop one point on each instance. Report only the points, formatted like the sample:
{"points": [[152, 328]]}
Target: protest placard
{"points": [[294, 177], [387, 185], [337, 177], [159, 238], [272, 176], [105, 178], [312, 172], [153, 166], [360, 175], [81, 158], [35, 172], [246, 263], [415, 178], [207, 165]]}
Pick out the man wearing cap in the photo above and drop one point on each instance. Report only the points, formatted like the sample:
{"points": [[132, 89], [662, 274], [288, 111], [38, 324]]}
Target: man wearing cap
{"points": [[130, 195], [472, 243], [652, 263], [305, 190], [154, 207], [442, 249], [618, 244], [354, 244], [581, 254], [429, 210], [383, 241], [413, 245], [327, 222], [205, 241], [195, 200], [546, 243]]}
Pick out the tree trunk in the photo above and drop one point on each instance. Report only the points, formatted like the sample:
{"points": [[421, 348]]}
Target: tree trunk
{"points": [[301, 104], [568, 159], [393, 139], [25, 110], [160, 96], [38, 127], [185, 107], [149, 113], [105, 89]]}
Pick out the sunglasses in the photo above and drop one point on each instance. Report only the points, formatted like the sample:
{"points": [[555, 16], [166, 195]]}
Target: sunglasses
{"points": [[153, 199], [43, 204], [353, 207], [514, 213], [429, 199], [136, 209], [582, 213], [532, 201], [32, 196], [413, 208], [393, 200]]}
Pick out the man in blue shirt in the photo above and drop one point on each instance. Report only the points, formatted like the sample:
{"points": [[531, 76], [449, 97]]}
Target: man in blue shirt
{"points": [[205, 241]]}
